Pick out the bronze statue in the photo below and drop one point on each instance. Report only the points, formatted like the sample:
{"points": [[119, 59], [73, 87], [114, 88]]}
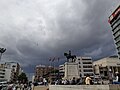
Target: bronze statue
{"points": [[69, 56]]}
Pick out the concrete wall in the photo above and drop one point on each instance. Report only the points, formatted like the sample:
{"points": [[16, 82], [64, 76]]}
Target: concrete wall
{"points": [[71, 70], [114, 87], [84, 87], [40, 88], [78, 87]]}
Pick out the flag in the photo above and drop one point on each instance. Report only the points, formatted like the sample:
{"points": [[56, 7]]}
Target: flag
{"points": [[53, 59], [50, 59], [58, 58]]}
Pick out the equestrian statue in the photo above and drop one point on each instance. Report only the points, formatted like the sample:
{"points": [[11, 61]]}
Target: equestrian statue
{"points": [[70, 57]]}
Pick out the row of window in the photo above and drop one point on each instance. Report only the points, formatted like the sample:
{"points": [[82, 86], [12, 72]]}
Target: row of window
{"points": [[116, 21], [87, 62], [116, 29], [91, 74], [117, 39], [88, 70], [118, 48], [85, 59], [85, 66], [1, 76], [118, 44], [116, 34], [2, 70], [2, 73]]}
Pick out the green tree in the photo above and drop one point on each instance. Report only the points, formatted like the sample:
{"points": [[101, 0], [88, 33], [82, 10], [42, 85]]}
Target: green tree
{"points": [[22, 78]]}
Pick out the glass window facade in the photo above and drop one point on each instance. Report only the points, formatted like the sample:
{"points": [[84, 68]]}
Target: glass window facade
{"points": [[115, 24]]}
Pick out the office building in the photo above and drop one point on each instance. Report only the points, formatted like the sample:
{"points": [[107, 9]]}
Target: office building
{"points": [[85, 66], [103, 66], [114, 21]]}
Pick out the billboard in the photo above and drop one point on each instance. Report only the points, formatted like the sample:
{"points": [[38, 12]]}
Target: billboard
{"points": [[117, 11]]}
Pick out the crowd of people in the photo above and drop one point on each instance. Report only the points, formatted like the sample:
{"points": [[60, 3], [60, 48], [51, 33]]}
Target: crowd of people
{"points": [[16, 86], [79, 81], [88, 80]]}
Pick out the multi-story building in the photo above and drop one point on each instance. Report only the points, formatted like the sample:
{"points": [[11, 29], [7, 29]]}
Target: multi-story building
{"points": [[62, 70], [2, 72], [85, 66], [12, 70], [42, 70], [103, 66], [114, 21], [9, 71]]}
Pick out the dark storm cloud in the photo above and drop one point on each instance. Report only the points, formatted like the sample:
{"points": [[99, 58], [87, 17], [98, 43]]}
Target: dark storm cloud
{"points": [[34, 31]]}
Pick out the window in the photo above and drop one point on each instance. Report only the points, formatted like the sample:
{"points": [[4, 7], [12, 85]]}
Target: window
{"points": [[115, 20], [2, 73], [91, 74], [79, 66], [87, 62], [88, 70], [86, 59], [117, 33], [87, 66], [1, 76]]}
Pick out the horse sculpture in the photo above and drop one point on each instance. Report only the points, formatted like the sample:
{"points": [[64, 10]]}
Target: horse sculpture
{"points": [[69, 56]]}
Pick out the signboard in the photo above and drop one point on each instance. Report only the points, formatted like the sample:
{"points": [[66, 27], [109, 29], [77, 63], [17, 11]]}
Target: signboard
{"points": [[114, 14]]}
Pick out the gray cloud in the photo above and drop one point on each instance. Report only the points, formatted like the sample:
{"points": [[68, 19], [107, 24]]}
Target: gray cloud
{"points": [[33, 31]]}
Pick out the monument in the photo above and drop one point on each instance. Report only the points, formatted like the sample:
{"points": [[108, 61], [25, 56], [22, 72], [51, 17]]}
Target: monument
{"points": [[71, 67]]}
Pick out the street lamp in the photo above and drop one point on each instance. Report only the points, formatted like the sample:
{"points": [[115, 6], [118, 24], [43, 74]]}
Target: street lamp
{"points": [[2, 50]]}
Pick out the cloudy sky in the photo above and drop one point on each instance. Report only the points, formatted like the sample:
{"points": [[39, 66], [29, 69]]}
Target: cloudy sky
{"points": [[32, 31]]}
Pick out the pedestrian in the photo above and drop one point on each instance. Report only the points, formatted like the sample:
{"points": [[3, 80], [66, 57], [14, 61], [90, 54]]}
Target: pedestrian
{"points": [[44, 81], [117, 78], [73, 81], [70, 82], [88, 80]]}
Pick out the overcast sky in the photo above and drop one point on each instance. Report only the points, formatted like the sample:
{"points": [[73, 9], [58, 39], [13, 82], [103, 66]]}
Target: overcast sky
{"points": [[32, 31]]}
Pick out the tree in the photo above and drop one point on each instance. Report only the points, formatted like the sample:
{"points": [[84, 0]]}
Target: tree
{"points": [[22, 78]]}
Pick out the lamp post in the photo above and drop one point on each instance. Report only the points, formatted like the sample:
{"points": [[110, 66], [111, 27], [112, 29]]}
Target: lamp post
{"points": [[110, 76], [2, 50]]}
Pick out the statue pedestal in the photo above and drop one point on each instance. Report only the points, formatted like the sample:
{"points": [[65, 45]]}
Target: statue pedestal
{"points": [[71, 70]]}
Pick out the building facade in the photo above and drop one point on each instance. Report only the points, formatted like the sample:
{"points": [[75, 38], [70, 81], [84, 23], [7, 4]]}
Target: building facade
{"points": [[114, 21], [2, 72], [42, 71], [9, 71], [85, 65], [103, 66]]}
